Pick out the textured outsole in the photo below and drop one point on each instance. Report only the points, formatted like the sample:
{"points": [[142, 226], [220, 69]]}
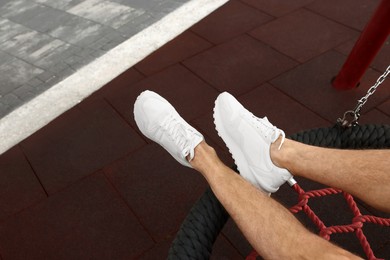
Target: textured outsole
{"points": [[236, 153]]}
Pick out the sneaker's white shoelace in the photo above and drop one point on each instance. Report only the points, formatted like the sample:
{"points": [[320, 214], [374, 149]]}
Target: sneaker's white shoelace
{"points": [[181, 135], [270, 131]]}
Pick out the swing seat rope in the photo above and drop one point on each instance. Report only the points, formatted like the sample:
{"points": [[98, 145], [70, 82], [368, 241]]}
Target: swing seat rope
{"points": [[325, 232], [207, 217]]}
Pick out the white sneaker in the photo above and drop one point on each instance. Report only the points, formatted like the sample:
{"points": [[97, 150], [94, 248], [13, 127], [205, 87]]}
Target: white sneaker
{"points": [[249, 139], [159, 121]]}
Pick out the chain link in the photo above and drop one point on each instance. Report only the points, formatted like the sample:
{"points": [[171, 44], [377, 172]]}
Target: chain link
{"points": [[355, 114]]}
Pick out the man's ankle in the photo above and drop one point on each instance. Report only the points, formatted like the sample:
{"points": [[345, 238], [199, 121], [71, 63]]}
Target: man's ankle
{"points": [[205, 158], [278, 155]]}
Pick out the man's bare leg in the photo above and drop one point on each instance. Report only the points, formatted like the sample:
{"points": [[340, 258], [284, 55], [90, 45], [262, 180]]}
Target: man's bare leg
{"points": [[362, 173], [270, 228]]}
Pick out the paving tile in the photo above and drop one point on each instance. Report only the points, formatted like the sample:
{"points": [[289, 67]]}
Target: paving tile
{"points": [[25, 43], [162, 8], [31, 46], [186, 92], [346, 47], [126, 79], [78, 31], [223, 249], [19, 186], [78, 143], [235, 236], [60, 4], [310, 84], [105, 12], [138, 4], [4, 109], [155, 8], [46, 85], [74, 61], [374, 116], [380, 61], [159, 251], [34, 82], [5, 58], [385, 107], [303, 34], [15, 72], [239, 65], [281, 110], [182, 47], [230, 20], [59, 56], [25, 92], [138, 23], [45, 76], [3, 2], [223, 153], [86, 221], [277, 8], [205, 124], [111, 44], [11, 8], [159, 189], [99, 43], [33, 17], [9, 29], [353, 13], [11, 100]]}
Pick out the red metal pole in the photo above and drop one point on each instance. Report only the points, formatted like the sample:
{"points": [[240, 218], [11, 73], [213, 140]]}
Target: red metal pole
{"points": [[367, 46]]}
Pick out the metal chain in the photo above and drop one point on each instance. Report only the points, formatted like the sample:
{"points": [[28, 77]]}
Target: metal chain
{"points": [[355, 114]]}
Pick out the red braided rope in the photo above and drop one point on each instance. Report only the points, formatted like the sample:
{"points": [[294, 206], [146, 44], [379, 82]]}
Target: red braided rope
{"points": [[324, 231]]}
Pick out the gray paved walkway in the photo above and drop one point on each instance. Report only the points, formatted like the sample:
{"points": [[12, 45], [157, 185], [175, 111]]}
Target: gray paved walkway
{"points": [[54, 53], [44, 41]]}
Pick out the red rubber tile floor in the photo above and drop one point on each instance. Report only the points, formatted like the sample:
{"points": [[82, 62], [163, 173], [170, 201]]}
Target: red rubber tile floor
{"points": [[89, 185]]}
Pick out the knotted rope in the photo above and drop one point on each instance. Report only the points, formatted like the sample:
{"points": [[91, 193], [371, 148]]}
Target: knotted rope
{"points": [[355, 226]]}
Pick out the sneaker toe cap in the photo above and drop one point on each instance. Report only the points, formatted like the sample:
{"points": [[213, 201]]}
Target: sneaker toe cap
{"points": [[227, 106], [149, 108]]}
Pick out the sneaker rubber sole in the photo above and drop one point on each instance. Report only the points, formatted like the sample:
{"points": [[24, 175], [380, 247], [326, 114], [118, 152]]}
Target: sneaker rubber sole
{"points": [[233, 148]]}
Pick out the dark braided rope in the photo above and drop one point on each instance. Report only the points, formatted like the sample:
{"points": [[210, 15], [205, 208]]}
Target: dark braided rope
{"points": [[200, 229], [207, 217]]}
